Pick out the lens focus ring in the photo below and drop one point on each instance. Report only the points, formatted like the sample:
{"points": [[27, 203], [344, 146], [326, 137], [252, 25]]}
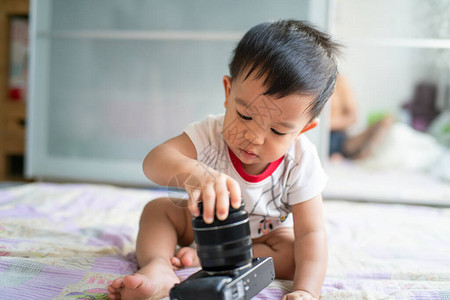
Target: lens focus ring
{"points": [[224, 245]]}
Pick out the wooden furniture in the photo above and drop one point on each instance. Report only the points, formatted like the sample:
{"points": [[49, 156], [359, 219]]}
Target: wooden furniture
{"points": [[12, 113]]}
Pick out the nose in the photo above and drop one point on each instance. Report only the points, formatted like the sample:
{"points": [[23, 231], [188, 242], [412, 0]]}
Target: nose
{"points": [[254, 136]]}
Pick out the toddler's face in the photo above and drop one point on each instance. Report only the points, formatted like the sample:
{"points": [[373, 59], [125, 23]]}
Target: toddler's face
{"points": [[260, 129]]}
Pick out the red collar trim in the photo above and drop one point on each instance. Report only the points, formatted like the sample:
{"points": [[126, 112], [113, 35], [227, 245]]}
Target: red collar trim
{"points": [[253, 178]]}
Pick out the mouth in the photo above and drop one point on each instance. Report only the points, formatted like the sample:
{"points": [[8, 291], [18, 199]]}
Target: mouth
{"points": [[248, 154]]}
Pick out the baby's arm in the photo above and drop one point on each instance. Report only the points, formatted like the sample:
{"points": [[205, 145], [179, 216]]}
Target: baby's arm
{"points": [[177, 158], [310, 248]]}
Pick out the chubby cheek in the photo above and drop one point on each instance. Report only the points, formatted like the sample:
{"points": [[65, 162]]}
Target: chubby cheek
{"points": [[231, 129], [276, 149], [236, 134], [272, 152]]}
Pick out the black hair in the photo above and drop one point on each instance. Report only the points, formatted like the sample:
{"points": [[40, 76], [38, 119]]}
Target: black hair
{"points": [[293, 56]]}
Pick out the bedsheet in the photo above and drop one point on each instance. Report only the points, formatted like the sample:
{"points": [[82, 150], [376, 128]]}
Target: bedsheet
{"points": [[68, 241], [352, 180]]}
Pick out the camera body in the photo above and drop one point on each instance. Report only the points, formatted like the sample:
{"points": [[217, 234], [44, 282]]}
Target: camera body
{"points": [[240, 284], [229, 271]]}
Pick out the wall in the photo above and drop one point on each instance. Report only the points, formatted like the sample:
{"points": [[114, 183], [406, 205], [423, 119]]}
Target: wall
{"points": [[390, 47], [110, 80]]}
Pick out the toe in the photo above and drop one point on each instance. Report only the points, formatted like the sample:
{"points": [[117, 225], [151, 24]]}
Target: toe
{"points": [[186, 260], [188, 257], [133, 282], [112, 297], [176, 262], [117, 283]]}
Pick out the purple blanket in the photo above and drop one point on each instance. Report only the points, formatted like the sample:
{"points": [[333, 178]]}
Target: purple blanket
{"points": [[69, 241]]}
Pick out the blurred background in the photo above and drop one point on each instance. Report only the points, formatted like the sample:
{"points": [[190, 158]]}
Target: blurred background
{"points": [[89, 87]]}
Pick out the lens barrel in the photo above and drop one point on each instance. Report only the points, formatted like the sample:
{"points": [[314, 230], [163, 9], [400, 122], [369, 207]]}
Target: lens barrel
{"points": [[223, 245]]}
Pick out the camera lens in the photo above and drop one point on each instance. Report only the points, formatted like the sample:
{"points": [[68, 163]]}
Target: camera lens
{"points": [[223, 245]]}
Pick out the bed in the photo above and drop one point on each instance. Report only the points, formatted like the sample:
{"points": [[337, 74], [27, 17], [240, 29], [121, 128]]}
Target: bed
{"points": [[68, 241], [354, 181], [407, 167]]}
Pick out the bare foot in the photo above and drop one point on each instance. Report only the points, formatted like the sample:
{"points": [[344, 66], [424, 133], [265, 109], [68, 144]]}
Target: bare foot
{"points": [[185, 257], [153, 281]]}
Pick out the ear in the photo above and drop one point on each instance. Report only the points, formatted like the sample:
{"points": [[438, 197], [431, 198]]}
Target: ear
{"points": [[310, 125], [227, 88]]}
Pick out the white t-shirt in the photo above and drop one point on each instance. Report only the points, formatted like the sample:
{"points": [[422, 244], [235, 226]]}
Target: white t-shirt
{"points": [[268, 197]]}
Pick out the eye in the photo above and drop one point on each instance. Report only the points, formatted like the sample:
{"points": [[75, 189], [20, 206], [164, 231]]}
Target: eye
{"points": [[243, 117], [277, 132]]}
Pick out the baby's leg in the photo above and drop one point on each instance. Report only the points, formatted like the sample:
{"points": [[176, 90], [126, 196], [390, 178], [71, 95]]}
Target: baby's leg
{"points": [[278, 244], [163, 225]]}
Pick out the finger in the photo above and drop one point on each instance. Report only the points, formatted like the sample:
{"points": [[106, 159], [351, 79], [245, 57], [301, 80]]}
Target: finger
{"points": [[235, 192], [194, 198], [223, 200], [209, 200]]}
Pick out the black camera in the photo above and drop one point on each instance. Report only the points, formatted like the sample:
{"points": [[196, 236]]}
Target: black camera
{"points": [[229, 270]]}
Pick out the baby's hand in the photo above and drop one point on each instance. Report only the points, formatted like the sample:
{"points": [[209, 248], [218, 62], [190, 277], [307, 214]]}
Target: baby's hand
{"points": [[299, 295], [215, 190]]}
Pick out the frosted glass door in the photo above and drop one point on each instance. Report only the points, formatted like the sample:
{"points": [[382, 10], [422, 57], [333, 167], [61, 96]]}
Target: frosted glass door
{"points": [[112, 79]]}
